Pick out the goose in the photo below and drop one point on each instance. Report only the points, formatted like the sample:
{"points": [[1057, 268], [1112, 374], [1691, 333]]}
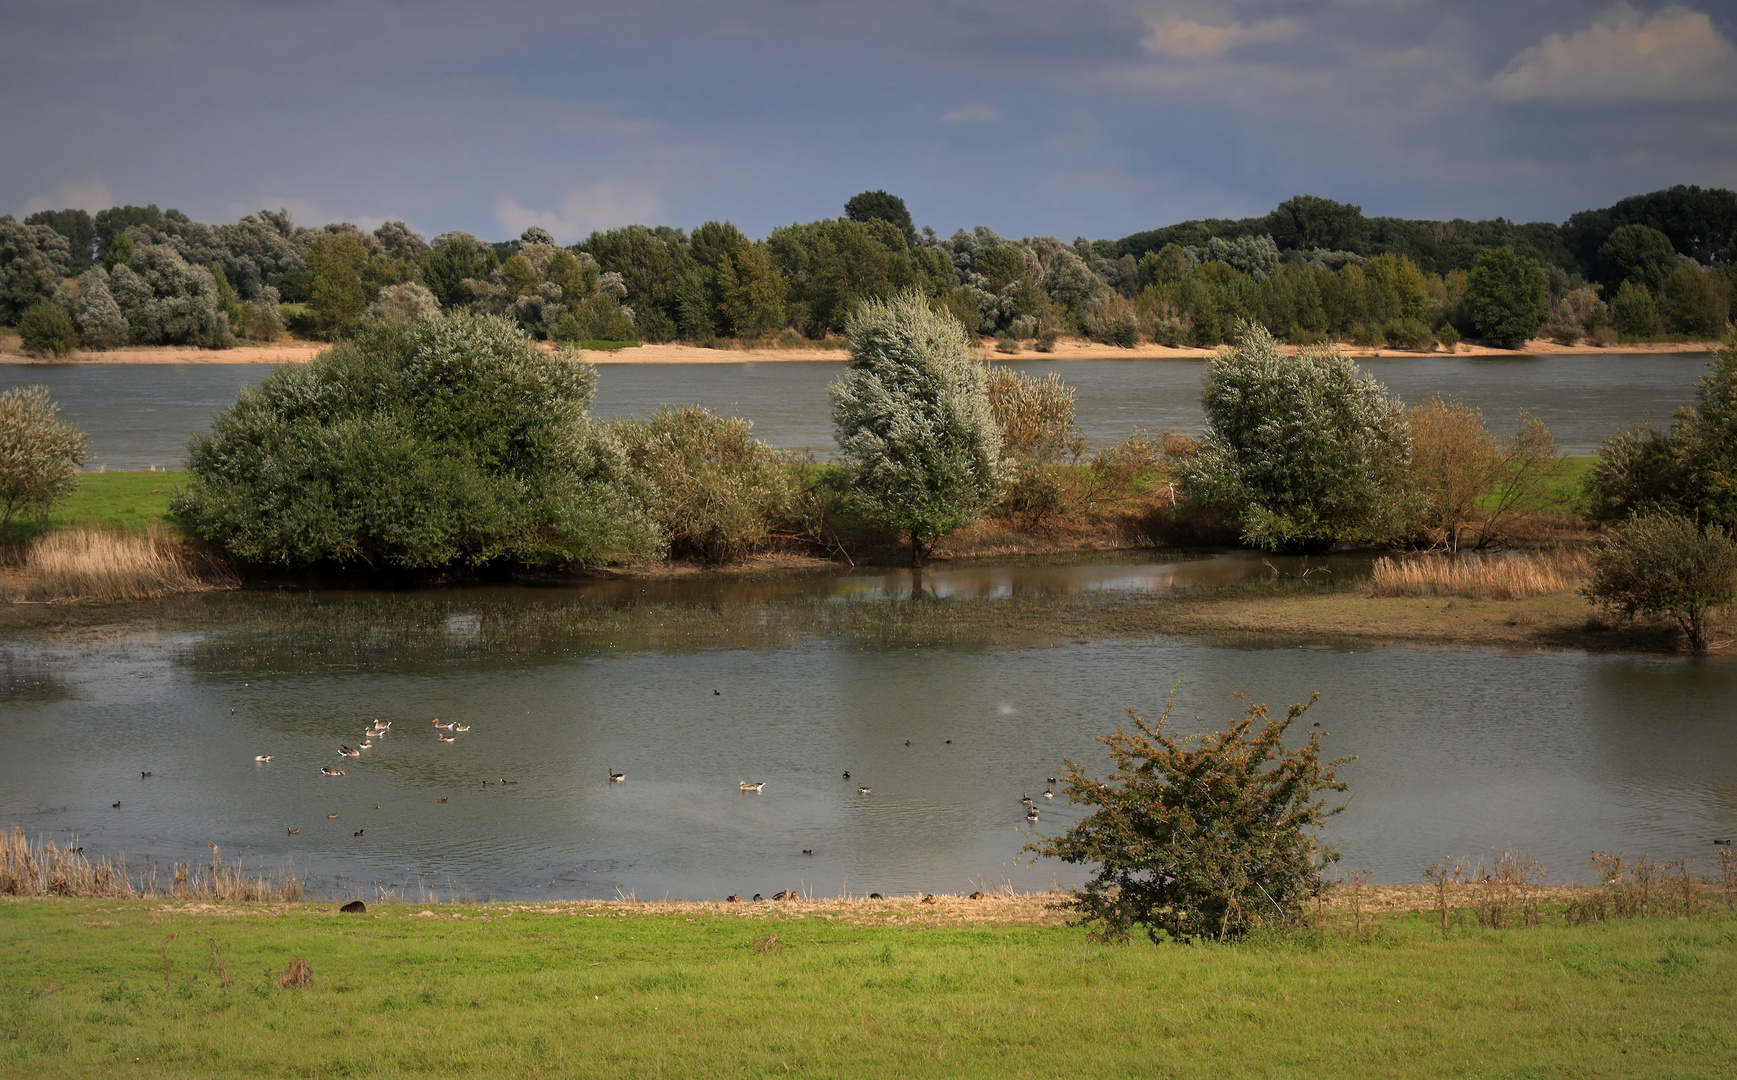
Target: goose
{"points": [[447, 726], [441, 799], [807, 851], [756, 786], [383, 723], [292, 832], [784, 894], [329, 816], [262, 757], [1031, 815], [365, 744], [617, 777], [733, 898], [116, 806], [929, 898], [462, 727], [359, 832], [1048, 794], [757, 896], [978, 895], [860, 790], [444, 738], [345, 751], [327, 770], [876, 896]]}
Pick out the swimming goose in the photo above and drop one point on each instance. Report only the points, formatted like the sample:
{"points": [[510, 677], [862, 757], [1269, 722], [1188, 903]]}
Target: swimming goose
{"points": [[617, 777], [292, 832], [1048, 794], [365, 744], [444, 738], [448, 726], [754, 786], [330, 816], [441, 799], [345, 751], [262, 757], [860, 790], [327, 770], [1031, 814], [462, 727]]}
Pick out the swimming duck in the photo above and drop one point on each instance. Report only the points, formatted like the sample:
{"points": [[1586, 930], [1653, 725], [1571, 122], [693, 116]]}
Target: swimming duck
{"points": [[327, 770], [617, 777], [262, 757], [143, 774], [847, 774], [461, 727], [860, 790], [359, 832], [345, 751], [444, 738], [447, 726], [441, 799], [1052, 780], [329, 816], [756, 786], [365, 744], [292, 832]]}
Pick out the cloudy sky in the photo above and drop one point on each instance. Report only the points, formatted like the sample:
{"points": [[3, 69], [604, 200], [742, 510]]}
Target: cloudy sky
{"points": [[1063, 117]]}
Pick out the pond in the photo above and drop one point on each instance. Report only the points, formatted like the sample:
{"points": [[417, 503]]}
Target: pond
{"points": [[946, 692], [140, 415]]}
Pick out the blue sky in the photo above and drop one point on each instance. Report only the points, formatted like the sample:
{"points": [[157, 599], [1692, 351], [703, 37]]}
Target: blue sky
{"points": [[1035, 117]]}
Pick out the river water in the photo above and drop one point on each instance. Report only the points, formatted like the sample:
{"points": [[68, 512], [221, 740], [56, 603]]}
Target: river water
{"points": [[691, 685], [140, 415]]}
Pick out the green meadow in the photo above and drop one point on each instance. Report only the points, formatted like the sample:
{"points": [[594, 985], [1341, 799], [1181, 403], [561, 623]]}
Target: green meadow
{"points": [[119, 501], [144, 988]]}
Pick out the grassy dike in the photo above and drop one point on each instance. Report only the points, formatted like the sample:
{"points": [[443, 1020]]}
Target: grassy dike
{"points": [[107, 988]]}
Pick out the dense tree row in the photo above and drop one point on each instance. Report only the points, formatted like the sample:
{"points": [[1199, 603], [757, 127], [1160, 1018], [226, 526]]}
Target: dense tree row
{"points": [[1312, 270]]}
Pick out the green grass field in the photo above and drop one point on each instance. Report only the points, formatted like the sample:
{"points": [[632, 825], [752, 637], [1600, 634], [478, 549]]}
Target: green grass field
{"points": [[123, 501], [100, 988]]}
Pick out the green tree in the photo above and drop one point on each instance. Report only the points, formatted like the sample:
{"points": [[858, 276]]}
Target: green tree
{"points": [[1206, 836], [39, 454], [751, 292], [444, 441], [46, 330], [1303, 451], [1633, 313], [832, 266], [1507, 297], [913, 421], [1307, 222], [882, 206], [1639, 254], [101, 325], [79, 230], [337, 296], [453, 259], [1666, 564], [120, 252], [1691, 304], [33, 262], [167, 300], [653, 263]]}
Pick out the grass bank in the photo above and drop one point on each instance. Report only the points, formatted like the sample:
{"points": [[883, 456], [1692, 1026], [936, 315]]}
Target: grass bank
{"points": [[133, 502], [91, 987]]}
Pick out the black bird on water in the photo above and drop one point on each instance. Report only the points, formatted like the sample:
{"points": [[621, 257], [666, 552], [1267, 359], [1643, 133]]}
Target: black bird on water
{"points": [[359, 832], [847, 774], [807, 851], [143, 773], [117, 806]]}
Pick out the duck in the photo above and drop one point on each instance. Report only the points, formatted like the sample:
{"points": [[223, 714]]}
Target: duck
{"points": [[262, 757], [978, 895], [365, 744], [435, 721], [860, 790], [447, 726], [756, 786], [1052, 780], [785, 894], [1723, 843], [757, 896], [359, 832], [292, 832], [807, 851], [461, 727], [327, 770], [929, 898], [617, 777], [847, 774], [876, 896], [733, 898], [441, 799], [444, 738], [116, 806], [345, 751], [143, 774], [1048, 794], [331, 816]]}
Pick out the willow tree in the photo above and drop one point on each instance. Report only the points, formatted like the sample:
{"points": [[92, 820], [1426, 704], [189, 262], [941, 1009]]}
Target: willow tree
{"points": [[913, 420]]}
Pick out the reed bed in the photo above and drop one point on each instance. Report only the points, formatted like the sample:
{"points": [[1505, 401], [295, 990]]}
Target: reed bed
{"points": [[44, 868], [94, 564], [1480, 578]]}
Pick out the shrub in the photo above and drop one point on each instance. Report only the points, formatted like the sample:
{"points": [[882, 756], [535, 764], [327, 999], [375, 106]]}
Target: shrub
{"points": [[1691, 305], [1036, 416], [46, 330], [439, 442], [1303, 450], [1633, 313], [1410, 334], [39, 455], [411, 300], [1691, 471], [100, 322], [1449, 337], [1507, 296], [1201, 837], [1463, 479], [913, 421], [1111, 319], [1666, 564], [719, 492]]}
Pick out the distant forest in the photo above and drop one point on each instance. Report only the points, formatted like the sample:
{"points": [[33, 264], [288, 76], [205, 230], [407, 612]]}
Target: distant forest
{"points": [[1656, 265]]}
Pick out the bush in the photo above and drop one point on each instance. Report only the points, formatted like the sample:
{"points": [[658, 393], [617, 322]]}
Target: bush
{"points": [[1692, 471], [1448, 336], [39, 455], [446, 441], [1201, 837], [1633, 313], [410, 300], [1303, 450], [100, 322], [1666, 564], [719, 492], [1111, 320], [1410, 334], [1691, 305], [1036, 416], [46, 330], [1463, 479], [913, 421]]}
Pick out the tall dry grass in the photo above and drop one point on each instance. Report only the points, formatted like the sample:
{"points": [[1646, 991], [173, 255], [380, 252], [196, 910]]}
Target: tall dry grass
{"points": [[1480, 578], [44, 868], [93, 564]]}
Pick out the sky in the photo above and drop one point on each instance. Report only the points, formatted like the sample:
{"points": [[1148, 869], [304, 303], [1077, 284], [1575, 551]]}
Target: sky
{"points": [[1069, 118]]}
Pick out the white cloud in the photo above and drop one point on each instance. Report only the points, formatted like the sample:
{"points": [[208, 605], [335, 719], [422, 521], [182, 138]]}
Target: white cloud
{"points": [[91, 196], [1676, 55], [603, 205], [971, 114], [1185, 37]]}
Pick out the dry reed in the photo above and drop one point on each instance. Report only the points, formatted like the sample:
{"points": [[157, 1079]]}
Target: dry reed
{"points": [[92, 564], [1480, 578], [43, 868]]}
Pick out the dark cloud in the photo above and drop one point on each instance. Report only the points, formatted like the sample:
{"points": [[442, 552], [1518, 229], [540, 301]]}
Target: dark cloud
{"points": [[1034, 116]]}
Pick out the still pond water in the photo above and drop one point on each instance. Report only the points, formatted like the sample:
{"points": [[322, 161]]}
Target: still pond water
{"points": [[692, 685], [140, 415]]}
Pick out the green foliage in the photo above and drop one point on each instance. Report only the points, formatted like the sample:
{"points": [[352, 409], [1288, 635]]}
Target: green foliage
{"points": [[39, 454], [1666, 564], [1633, 313], [167, 300], [1507, 297], [1306, 222], [1207, 836], [1699, 222], [913, 421], [1303, 451], [652, 264], [441, 442], [1448, 336], [720, 492], [336, 293], [46, 330], [1692, 471], [33, 261], [832, 266], [119, 252], [453, 259], [101, 325], [1639, 254], [80, 233], [599, 317], [112, 224], [1692, 304], [882, 206]]}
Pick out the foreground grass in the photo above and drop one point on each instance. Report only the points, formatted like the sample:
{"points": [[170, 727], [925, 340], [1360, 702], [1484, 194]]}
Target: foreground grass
{"points": [[103, 987], [118, 501]]}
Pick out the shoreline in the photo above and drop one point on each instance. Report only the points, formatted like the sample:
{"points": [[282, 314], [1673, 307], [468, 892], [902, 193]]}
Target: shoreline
{"points": [[301, 352]]}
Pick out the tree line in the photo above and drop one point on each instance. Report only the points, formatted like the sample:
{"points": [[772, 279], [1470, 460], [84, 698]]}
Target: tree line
{"points": [[1312, 270]]}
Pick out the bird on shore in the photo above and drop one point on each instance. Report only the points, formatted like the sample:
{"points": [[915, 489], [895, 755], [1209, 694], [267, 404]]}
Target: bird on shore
{"points": [[876, 896], [860, 790], [757, 896], [733, 898], [262, 757], [617, 777], [327, 770], [755, 787], [444, 738]]}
